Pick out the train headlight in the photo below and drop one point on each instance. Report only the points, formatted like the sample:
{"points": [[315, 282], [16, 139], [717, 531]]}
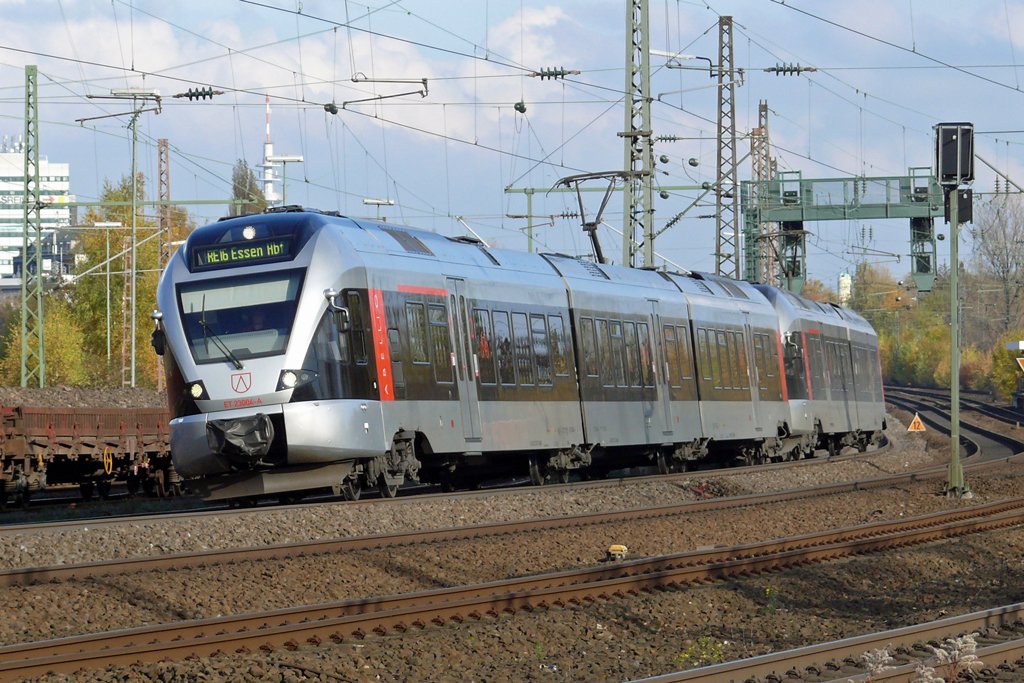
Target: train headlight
{"points": [[197, 390], [294, 378]]}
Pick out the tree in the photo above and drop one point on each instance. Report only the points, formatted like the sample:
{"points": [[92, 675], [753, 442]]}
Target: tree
{"points": [[246, 188], [816, 290], [998, 236], [65, 356], [89, 295]]}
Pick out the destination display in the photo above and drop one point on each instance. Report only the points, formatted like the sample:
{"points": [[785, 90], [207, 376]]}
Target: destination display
{"points": [[242, 253]]}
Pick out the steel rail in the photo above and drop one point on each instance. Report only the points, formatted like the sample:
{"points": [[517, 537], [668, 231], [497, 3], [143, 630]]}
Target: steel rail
{"points": [[821, 660], [30, 575], [338, 621]]}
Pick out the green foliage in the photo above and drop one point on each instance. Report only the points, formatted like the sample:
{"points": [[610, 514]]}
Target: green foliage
{"points": [[246, 188], [1004, 369], [65, 356], [705, 651]]}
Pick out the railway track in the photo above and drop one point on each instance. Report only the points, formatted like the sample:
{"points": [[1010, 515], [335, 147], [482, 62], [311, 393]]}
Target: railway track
{"points": [[356, 619], [197, 509], [999, 637], [976, 440]]}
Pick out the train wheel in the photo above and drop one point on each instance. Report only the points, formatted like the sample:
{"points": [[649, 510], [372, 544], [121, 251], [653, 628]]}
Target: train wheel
{"points": [[132, 484], [85, 488], [386, 490], [103, 488], [562, 476], [535, 476], [23, 499], [662, 462], [833, 447], [160, 484], [3, 495], [351, 489]]}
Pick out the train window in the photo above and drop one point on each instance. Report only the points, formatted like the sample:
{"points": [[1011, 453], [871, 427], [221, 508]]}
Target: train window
{"points": [[417, 332], [482, 340], [358, 330], [615, 337], [541, 350], [503, 349], [760, 358], [668, 334], [685, 356], [395, 350], [723, 376], [604, 353], [559, 359], [704, 354], [740, 374], [646, 364], [816, 359], [632, 364], [440, 343], [524, 358], [589, 347]]}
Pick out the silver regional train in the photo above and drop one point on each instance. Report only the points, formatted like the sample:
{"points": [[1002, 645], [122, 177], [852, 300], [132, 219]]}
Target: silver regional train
{"points": [[305, 349]]}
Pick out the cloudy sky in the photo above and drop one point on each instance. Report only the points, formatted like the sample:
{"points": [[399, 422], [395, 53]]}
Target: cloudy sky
{"points": [[426, 93]]}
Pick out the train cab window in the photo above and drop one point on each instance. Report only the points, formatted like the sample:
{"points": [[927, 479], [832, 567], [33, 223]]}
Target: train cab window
{"points": [[632, 363], [239, 316], [604, 353], [503, 349], [417, 327], [358, 328], [483, 338], [795, 367], [440, 343], [559, 359], [524, 357], [541, 349], [615, 339]]}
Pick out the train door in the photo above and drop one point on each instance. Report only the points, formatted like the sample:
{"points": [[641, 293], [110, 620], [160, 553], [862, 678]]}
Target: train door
{"points": [[662, 370], [752, 377], [465, 363]]}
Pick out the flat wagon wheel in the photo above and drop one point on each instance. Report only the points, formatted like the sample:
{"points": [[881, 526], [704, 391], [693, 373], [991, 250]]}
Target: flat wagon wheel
{"points": [[386, 490], [535, 476], [160, 484], [663, 465], [351, 489]]}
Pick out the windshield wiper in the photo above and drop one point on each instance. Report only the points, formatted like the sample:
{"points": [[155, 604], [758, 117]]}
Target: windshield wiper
{"points": [[220, 343]]}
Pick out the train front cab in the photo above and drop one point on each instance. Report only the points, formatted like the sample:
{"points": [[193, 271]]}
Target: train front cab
{"points": [[832, 379]]}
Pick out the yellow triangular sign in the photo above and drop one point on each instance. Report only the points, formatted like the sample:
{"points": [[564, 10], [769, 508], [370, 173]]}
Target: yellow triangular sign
{"points": [[916, 425], [1020, 362]]}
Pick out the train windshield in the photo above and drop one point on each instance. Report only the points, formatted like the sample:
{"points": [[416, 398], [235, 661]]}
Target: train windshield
{"points": [[239, 317]]}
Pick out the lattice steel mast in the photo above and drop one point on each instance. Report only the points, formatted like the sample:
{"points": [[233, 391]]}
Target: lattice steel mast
{"points": [[33, 363], [638, 207], [727, 241]]}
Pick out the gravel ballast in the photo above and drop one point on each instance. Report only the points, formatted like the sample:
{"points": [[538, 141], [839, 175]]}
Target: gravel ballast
{"points": [[615, 640]]}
